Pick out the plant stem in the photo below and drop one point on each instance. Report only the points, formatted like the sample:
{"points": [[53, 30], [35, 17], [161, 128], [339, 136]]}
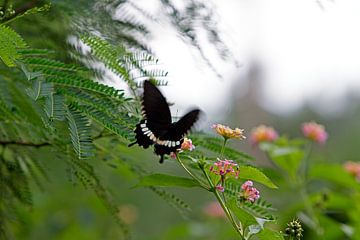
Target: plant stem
{"points": [[306, 162], [191, 174], [223, 205], [303, 192], [223, 148]]}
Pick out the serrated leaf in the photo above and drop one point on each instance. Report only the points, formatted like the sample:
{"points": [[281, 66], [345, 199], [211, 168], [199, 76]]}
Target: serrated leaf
{"points": [[251, 173], [164, 180]]}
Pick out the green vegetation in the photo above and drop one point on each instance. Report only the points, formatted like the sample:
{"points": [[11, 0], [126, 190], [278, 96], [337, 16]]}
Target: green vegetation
{"points": [[66, 171]]}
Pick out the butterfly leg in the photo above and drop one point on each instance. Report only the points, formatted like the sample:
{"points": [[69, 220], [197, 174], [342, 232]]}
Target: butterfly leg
{"points": [[133, 143], [161, 159]]}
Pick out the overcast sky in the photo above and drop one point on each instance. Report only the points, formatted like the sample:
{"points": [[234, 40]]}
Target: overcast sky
{"points": [[308, 53]]}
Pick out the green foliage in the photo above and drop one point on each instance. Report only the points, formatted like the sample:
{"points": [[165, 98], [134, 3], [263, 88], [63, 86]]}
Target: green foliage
{"points": [[58, 109], [80, 133], [252, 173], [286, 154], [215, 145], [172, 199], [164, 180], [259, 208], [10, 42]]}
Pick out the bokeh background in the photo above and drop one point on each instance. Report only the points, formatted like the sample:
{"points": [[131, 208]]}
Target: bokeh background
{"points": [[290, 62]]}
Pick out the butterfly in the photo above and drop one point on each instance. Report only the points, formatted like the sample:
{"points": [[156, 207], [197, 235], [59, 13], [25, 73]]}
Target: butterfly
{"points": [[156, 127]]}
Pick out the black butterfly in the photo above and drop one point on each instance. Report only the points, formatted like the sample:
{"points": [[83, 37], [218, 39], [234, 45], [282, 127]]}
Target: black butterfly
{"points": [[156, 126]]}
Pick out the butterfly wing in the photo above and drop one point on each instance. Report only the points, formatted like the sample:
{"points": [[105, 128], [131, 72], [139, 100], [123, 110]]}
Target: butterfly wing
{"points": [[155, 109], [174, 137], [180, 128], [157, 116]]}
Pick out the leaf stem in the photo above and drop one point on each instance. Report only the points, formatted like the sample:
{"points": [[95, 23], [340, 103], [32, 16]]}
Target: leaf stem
{"points": [[223, 205], [191, 174], [223, 148]]}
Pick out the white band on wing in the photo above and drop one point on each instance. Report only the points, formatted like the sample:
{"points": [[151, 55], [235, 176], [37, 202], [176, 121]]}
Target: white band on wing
{"points": [[147, 132]]}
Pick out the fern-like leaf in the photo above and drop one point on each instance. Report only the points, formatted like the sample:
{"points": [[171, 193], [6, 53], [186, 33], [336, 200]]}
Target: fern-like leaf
{"points": [[118, 126], [172, 200], [80, 133], [259, 208], [55, 107], [10, 42]]}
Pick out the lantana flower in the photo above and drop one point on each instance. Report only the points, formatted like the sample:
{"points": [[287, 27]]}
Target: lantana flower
{"points": [[353, 168], [220, 187], [224, 168], [315, 132], [227, 132], [187, 145], [263, 133], [249, 193]]}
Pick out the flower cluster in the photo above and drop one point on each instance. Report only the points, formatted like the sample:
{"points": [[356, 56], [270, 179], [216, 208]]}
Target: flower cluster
{"points": [[227, 132], [225, 167], [187, 145], [353, 168], [294, 229], [249, 193], [314, 132], [263, 133], [220, 187]]}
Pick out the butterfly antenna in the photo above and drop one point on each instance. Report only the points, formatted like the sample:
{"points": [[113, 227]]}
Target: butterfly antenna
{"points": [[132, 144]]}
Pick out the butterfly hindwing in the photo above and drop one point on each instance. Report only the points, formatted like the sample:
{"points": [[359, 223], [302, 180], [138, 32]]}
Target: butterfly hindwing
{"points": [[174, 137], [180, 128]]}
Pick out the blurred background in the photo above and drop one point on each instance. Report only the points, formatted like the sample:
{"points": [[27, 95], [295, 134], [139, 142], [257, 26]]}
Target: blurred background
{"points": [[278, 63]]}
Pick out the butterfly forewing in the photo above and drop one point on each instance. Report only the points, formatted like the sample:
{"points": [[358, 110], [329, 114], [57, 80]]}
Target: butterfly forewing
{"points": [[155, 109]]}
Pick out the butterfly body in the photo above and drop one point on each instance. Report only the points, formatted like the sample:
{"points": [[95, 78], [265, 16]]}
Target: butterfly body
{"points": [[156, 127]]}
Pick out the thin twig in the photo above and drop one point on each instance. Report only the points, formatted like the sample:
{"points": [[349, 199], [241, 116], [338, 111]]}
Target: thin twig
{"points": [[28, 144]]}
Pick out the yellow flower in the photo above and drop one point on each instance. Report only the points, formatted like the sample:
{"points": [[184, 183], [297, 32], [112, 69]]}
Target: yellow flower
{"points": [[227, 132]]}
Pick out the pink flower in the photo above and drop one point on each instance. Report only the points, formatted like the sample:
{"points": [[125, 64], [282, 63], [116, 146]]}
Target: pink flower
{"points": [[220, 188], [173, 155], [227, 132], [225, 167], [249, 193], [187, 145], [213, 209], [263, 133], [353, 168], [314, 132]]}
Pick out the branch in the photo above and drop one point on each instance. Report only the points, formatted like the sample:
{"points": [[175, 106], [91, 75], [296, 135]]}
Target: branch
{"points": [[25, 7], [21, 9], [26, 144]]}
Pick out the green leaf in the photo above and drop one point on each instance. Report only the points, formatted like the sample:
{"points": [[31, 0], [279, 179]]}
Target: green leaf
{"points": [[288, 158], [268, 234], [164, 180], [10, 42], [335, 174], [244, 217], [80, 133], [251, 173]]}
